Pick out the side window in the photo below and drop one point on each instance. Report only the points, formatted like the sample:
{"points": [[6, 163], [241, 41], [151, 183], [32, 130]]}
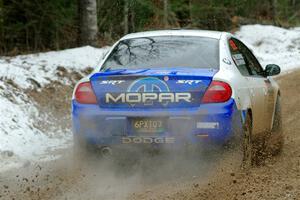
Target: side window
{"points": [[252, 63], [239, 58]]}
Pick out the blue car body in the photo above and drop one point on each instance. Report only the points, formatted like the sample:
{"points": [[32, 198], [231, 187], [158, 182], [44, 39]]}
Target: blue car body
{"points": [[107, 124]]}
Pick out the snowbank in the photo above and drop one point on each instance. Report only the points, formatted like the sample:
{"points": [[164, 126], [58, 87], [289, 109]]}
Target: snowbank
{"points": [[273, 45], [42, 67], [22, 141]]}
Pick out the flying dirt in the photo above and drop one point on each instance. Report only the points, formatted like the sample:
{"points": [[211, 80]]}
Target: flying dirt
{"points": [[164, 176]]}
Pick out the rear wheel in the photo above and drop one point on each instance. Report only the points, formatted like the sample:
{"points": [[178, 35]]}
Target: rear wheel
{"points": [[247, 146], [276, 139], [264, 145]]}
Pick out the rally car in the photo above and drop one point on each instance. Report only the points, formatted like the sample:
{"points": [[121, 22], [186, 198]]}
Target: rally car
{"points": [[176, 87]]}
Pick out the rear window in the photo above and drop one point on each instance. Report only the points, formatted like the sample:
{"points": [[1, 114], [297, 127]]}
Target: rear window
{"points": [[164, 52]]}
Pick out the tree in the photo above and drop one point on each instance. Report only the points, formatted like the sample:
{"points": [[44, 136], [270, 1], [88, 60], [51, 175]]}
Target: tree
{"points": [[166, 10], [274, 10], [1, 24], [126, 14], [88, 28]]}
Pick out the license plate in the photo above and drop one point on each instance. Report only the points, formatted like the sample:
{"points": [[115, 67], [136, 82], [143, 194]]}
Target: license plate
{"points": [[148, 125]]}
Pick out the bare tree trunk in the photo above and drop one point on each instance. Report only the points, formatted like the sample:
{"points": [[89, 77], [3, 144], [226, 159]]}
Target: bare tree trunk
{"points": [[191, 12], [2, 45], [132, 20], [166, 13], [88, 28], [126, 14], [274, 10]]}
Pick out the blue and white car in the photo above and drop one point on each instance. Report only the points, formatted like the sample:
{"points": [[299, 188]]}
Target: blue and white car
{"points": [[176, 87]]}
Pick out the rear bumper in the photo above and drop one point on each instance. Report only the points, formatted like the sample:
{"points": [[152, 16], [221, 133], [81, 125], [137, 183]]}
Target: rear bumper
{"points": [[209, 123]]}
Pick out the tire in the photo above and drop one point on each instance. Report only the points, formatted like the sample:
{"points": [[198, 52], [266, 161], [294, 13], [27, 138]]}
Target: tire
{"points": [[276, 139], [247, 143], [269, 143]]}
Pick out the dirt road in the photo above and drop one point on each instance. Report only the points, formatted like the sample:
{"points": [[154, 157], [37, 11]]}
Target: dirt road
{"points": [[169, 177]]}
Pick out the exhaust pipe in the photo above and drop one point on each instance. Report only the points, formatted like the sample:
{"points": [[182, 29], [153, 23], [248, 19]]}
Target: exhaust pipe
{"points": [[106, 152]]}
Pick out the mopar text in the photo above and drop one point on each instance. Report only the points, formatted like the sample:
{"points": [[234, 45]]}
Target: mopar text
{"points": [[147, 97]]}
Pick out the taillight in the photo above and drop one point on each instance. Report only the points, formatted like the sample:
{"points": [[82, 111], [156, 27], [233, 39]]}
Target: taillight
{"points": [[217, 92], [85, 94]]}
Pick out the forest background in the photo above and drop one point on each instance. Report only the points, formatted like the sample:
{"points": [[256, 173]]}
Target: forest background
{"points": [[41, 25]]}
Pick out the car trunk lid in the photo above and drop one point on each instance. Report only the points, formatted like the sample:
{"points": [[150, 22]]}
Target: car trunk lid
{"points": [[151, 88]]}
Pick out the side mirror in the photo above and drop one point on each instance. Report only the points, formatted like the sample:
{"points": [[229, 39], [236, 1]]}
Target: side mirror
{"points": [[272, 70]]}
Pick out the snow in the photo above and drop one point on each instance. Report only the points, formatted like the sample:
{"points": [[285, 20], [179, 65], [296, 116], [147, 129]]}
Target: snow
{"points": [[42, 67], [18, 135], [273, 45], [22, 142]]}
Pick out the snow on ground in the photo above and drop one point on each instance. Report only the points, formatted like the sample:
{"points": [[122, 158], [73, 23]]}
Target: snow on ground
{"points": [[22, 142], [42, 67], [273, 45]]}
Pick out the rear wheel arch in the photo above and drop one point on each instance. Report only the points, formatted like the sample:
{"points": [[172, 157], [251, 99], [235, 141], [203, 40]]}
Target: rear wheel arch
{"points": [[277, 109], [249, 114], [249, 111], [277, 120], [247, 148]]}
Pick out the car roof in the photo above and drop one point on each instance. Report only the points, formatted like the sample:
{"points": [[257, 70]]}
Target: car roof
{"points": [[180, 32]]}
